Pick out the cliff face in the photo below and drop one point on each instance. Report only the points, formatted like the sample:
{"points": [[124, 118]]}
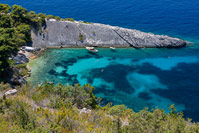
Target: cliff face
{"points": [[77, 34]]}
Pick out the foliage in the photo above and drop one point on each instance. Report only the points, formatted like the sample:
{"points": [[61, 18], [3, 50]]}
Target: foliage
{"points": [[117, 110], [4, 86], [86, 22], [15, 29], [18, 15], [53, 17], [69, 19], [60, 95], [50, 17], [14, 32], [22, 69], [5, 8], [50, 108], [5, 21], [81, 37], [21, 65], [56, 108], [57, 18]]}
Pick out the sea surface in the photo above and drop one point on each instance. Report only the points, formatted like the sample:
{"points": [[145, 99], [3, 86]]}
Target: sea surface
{"points": [[178, 18], [138, 78]]}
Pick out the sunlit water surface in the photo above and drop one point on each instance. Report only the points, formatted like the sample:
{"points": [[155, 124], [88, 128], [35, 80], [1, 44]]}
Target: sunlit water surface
{"points": [[137, 78]]}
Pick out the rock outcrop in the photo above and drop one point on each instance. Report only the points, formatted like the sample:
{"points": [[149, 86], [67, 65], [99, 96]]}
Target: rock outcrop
{"points": [[78, 34]]}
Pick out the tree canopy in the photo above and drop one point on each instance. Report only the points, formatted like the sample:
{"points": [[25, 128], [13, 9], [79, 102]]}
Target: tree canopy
{"points": [[15, 28], [5, 8]]}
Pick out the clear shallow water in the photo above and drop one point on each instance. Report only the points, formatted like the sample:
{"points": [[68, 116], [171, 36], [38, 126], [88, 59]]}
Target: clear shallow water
{"points": [[137, 78]]}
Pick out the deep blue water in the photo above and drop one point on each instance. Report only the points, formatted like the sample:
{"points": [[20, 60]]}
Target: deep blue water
{"points": [[179, 18], [137, 78]]}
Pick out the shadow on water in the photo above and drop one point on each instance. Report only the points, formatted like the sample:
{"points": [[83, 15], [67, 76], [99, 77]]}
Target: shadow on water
{"points": [[84, 57], [113, 74], [102, 88], [94, 54], [145, 96], [71, 79], [113, 50], [53, 72], [69, 62], [182, 82]]}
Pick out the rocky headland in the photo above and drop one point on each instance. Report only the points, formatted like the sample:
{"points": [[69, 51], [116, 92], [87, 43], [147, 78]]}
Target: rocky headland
{"points": [[58, 34], [79, 34]]}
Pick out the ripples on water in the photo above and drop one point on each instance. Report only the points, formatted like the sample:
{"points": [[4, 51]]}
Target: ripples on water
{"points": [[178, 18], [137, 78]]}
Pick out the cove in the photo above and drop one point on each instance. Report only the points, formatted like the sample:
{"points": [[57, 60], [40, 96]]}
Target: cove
{"points": [[138, 78]]}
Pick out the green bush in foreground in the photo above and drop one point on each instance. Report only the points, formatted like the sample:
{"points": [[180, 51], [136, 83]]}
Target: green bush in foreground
{"points": [[49, 108]]}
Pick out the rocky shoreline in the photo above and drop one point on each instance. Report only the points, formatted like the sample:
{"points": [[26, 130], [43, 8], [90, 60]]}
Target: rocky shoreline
{"points": [[21, 69], [56, 34], [67, 34]]}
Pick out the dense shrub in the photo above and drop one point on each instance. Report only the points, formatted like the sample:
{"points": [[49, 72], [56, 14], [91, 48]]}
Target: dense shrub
{"points": [[15, 29], [81, 37], [69, 19], [56, 108], [50, 108]]}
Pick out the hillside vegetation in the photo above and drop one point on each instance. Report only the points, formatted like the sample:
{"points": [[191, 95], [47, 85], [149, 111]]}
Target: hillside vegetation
{"points": [[50, 108], [15, 31], [15, 28], [58, 108]]}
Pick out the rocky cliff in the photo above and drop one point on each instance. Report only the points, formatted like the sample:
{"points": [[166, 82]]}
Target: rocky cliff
{"points": [[78, 34]]}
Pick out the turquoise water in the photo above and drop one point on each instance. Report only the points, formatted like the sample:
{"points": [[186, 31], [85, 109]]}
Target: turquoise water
{"points": [[137, 78]]}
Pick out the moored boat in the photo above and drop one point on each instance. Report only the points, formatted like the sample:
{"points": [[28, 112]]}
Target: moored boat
{"points": [[112, 47], [92, 49]]}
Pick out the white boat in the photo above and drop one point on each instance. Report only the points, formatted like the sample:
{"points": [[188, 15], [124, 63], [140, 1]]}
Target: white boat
{"points": [[112, 47], [26, 48], [92, 49]]}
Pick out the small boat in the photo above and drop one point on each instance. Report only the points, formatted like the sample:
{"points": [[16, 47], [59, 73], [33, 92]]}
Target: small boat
{"points": [[112, 47], [92, 49], [28, 49]]}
